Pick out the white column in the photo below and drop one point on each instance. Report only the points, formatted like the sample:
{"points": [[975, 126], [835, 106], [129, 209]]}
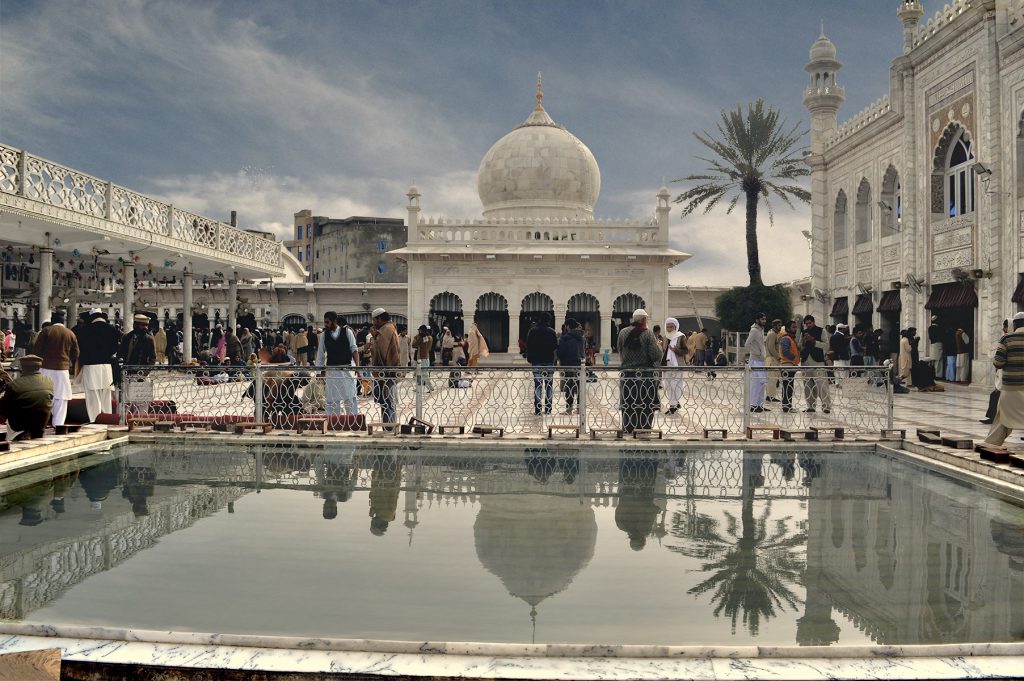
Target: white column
{"points": [[233, 301], [186, 314], [129, 295], [45, 282]]}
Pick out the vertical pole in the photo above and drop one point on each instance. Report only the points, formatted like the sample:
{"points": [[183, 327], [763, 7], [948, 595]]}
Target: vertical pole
{"points": [[418, 373], [746, 397], [129, 292], [186, 314], [888, 397], [233, 302], [581, 396], [258, 393], [122, 400], [45, 282]]}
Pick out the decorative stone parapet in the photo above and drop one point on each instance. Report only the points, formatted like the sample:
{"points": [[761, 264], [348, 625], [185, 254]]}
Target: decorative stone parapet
{"points": [[73, 193]]}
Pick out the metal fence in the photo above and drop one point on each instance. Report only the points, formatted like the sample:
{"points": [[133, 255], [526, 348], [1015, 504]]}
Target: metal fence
{"points": [[679, 401]]}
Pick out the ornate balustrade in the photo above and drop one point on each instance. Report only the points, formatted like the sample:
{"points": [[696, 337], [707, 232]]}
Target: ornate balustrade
{"points": [[518, 230], [139, 216]]}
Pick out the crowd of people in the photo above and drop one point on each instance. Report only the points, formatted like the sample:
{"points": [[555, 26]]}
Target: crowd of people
{"points": [[327, 370]]}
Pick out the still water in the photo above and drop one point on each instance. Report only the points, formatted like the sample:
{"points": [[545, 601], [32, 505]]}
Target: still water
{"points": [[516, 545]]}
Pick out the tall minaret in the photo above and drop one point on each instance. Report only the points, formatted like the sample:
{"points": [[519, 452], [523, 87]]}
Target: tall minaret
{"points": [[823, 97], [909, 12]]}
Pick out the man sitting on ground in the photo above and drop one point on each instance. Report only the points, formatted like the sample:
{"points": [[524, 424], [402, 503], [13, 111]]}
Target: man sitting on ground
{"points": [[27, 400]]}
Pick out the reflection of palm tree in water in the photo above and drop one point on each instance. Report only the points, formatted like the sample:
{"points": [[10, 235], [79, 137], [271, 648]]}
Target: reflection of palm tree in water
{"points": [[752, 564]]}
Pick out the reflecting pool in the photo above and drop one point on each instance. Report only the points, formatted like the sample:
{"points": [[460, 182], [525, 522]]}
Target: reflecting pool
{"points": [[514, 544]]}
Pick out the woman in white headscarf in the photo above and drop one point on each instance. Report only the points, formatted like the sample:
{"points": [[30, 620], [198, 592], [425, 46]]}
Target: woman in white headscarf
{"points": [[676, 350]]}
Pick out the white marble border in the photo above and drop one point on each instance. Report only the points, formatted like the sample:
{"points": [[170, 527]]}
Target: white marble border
{"points": [[433, 663]]}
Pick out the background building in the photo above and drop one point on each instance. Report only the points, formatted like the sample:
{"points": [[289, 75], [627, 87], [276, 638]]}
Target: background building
{"points": [[537, 251], [917, 202], [353, 249]]}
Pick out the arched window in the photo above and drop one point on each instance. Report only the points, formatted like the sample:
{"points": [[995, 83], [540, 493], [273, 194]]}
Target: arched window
{"points": [[891, 203], [839, 223], [862, 213], [960, 176]]}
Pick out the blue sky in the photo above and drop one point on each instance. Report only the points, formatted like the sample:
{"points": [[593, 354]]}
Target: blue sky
{"points": [[269, 107]]}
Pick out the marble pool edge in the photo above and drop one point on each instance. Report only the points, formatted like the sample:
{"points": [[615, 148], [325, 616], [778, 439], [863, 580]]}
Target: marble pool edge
{"points": [[110, 646]]}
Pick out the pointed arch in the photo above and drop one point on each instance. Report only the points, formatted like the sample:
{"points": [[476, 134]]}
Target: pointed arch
{"points": [[891, 202], [862, 212], [585, 309], [446, 310], [627, 303], [839, 222], [491, 318]]}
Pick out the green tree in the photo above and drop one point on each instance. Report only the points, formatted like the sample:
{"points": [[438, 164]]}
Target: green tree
{"points": [[755, 156], [737, 307]]}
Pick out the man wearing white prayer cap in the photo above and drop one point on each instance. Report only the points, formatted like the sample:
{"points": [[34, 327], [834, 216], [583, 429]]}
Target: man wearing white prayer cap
{"points": [[58, 347]]}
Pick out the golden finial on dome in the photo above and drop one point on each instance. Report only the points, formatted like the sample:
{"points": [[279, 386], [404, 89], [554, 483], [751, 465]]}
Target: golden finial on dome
{"points": [[540, 94]]}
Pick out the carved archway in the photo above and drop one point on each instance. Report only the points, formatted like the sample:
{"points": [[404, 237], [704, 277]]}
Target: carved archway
{"points": [[491, 318]]}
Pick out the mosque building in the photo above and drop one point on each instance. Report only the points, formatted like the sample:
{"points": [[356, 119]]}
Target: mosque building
{"points": [[537, 249], [918, 201]]}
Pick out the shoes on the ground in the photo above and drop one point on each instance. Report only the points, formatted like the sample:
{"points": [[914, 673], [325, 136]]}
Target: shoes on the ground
{"points": [[809, 410], [758, 410], [826, 411], [985, 421], [671, 410], [567, 412]]}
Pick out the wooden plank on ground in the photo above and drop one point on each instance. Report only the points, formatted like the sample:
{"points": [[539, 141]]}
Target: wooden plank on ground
{"points": [[31, 665]]}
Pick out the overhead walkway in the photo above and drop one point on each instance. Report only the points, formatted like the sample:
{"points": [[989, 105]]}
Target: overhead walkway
{"points": [[52, 207]]}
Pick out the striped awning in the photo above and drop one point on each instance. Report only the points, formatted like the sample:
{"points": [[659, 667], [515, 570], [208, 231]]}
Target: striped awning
{"points": [[864, 304], [949, 296], [841, 308], [890, 301]]}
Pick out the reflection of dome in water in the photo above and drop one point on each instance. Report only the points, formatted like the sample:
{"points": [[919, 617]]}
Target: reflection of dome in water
{"points": [[540, 169], [535, 544]]}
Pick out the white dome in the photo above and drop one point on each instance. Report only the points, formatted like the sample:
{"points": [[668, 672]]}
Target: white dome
{"points": [[823, 49], [540, 169]]}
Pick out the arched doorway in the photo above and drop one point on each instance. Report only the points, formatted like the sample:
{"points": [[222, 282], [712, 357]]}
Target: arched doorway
{"points": [[247, 321], [446, 310], [535, 307], [492, 319], [585, 309], [199, 321], [294, 322], [622, 312]]}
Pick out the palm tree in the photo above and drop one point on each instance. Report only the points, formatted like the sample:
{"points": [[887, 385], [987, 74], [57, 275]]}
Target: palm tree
{"points": [[756, 156], [753, 566]]}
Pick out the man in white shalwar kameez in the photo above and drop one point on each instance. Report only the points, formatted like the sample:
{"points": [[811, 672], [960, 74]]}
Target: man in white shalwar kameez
{"points": [[58, 347], [675, 355], [97, 344]]}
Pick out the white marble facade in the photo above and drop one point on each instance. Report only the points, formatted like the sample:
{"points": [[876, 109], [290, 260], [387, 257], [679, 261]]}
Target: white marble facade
{"points": [[537, 246], [923, 188]]}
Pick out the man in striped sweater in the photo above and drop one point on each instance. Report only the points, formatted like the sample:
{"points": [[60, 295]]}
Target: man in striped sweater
{"points": [[1010, 358]]}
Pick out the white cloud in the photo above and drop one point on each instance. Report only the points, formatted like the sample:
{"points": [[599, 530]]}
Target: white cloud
{"points": [[718, 245]]}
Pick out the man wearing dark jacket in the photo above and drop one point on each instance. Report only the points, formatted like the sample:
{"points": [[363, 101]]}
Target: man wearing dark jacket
{"points": [[97, 343], [570, 355], [541, 343]]}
